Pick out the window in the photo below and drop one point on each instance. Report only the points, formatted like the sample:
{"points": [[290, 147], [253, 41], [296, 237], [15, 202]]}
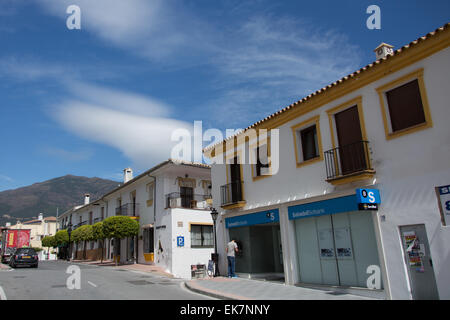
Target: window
{"points": [[308, 138], [307, 141], [202, 236], [404, 105], [262, 161], [150, 193]]}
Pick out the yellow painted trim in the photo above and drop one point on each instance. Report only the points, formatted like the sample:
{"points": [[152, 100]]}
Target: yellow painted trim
{"points": [[359, 79], [251, 150], [302, 125], [415, 75], [363, 175], [348, 104], [199, 224], [240, 204]]}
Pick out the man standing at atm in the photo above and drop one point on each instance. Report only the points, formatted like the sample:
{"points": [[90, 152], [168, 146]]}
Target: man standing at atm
{"points": [[231, 250]]}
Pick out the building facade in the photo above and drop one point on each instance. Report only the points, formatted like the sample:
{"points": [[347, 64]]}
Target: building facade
{"points": [[40, 228], [171, 202], [298, 216]]}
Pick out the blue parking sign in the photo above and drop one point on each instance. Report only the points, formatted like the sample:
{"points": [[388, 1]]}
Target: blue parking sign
{"points": [[180, 241]]}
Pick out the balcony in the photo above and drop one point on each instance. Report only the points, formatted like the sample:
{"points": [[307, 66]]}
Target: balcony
{"points": [[193, 201], [128, 210], [348, 163], [79, 225], [232, 195]]}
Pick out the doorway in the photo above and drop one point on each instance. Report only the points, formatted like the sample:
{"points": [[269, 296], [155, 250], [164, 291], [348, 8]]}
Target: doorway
{"points": [[260, 252], [419, 263], [336, 249], [349, 134]]}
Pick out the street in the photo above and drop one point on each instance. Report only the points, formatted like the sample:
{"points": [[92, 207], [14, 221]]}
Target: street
{"points": [[48, 282]]}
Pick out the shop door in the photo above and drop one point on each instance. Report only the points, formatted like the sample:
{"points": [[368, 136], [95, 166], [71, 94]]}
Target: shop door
{"points": [[351, 150], [419, 263], [336, 249]]}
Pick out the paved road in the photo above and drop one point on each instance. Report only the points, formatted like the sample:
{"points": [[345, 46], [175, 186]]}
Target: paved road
{"points": [[48, 282]]}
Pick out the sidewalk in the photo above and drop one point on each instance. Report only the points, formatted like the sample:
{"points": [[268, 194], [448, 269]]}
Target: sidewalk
{"points": [[4, 266], [131, 267], [246, 289]]}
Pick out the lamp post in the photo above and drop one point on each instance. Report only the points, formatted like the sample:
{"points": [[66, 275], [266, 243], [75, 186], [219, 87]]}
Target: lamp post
{"points": [[214, 215], [69, 231]]}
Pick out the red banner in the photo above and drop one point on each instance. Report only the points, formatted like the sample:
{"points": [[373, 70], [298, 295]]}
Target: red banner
{"points": [[18, 238]]}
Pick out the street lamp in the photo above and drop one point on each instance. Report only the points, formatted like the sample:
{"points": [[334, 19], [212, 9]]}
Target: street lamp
{"points": [[215, 256], [69, 231]]}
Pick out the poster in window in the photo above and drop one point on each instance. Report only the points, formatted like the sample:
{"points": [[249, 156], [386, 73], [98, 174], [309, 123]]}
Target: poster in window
{"points": [[414, 250], [326, 243], [343, 243]]}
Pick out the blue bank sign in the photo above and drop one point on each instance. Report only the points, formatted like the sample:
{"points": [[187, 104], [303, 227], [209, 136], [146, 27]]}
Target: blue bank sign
{"points": [[324, 207], [262, 217], [364, 199]]}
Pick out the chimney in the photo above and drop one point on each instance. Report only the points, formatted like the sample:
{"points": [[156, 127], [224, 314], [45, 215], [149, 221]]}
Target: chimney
{"points": [[127, 175], [41, 216], [383, 50], [87, 198]]}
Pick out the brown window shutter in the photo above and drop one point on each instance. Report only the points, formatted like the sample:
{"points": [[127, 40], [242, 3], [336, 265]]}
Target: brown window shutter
{"points": [[405, 106]]}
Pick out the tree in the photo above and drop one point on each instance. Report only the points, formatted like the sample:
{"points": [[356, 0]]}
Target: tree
{"points": [[98, 234], [83, 233], [120, 227], [49, 242], [62, 240]]}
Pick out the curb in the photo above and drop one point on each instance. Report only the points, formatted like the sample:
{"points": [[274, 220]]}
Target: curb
{"points": [[212, 293]]}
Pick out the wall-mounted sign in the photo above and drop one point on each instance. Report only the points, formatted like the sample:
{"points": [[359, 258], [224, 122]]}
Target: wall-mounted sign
{"points": [[443, 194], [245, 220], [324, 207], [368, 199], [180, 241]]}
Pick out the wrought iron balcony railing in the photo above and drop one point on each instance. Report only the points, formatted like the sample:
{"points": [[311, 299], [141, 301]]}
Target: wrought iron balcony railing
{"points": [[129, 210], [231, 193], [187, 201], [347, 160]]}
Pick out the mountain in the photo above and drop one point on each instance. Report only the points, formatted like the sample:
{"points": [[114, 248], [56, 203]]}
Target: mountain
{"points": [[46, 197]]}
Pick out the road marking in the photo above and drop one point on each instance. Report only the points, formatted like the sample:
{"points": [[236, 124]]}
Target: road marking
{"points": [[92, 284], [2, 294]]}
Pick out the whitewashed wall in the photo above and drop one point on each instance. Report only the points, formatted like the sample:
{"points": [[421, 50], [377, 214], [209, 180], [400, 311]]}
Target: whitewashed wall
{"points": [[408, 168]]}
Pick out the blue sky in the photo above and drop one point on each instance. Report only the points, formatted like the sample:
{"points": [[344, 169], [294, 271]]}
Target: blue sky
{"points": [[93, 101]]}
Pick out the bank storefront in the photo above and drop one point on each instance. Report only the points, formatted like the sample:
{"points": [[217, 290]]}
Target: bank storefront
{"points": [[259, 241], [336, 240]]}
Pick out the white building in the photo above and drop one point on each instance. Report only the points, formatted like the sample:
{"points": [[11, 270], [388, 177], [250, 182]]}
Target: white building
{"points": [[172, 204], [383, 127]]}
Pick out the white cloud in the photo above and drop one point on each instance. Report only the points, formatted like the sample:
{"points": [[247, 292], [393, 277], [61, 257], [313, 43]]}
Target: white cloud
{"points": [[156, 29], [6, 178], [144, 139], [68, 155]]}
